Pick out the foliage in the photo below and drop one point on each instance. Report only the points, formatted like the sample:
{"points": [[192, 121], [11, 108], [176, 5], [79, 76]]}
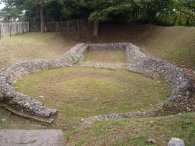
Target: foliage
{"points": [[163, 12], [11, 9]]}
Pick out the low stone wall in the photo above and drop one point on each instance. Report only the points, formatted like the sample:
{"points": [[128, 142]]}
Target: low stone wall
{"points": [[103, 66], [181, 84], [140, 63], [10, 74], [108, 46], [136, 60]]}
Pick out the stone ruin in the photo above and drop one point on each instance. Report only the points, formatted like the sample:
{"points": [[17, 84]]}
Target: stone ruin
{"points": [[137, 62]]}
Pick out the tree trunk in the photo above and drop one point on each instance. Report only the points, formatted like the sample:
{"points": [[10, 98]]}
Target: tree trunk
{"points": [[96, 28], [42, 19], [180, 18]]}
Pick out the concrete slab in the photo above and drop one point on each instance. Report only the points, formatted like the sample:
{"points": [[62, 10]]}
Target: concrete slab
{"points": [[31, 138]]}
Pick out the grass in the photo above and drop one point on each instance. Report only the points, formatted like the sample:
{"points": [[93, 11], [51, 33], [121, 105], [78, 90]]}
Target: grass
{"points": [[135, 131], [10, 121], [83, 92], [105, 56], [32, 46], [127, 131], [175, 44]]}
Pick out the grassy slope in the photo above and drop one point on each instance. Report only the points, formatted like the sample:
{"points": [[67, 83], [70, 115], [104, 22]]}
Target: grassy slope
{"points": [[124, 132], [135, 131], [32, 46], [154, 41], [176, 44]]}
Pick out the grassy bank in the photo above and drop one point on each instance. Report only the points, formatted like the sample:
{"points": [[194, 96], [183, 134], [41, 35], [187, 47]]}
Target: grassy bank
{"points": [[135, 131], [33, 46], [175, 44]]}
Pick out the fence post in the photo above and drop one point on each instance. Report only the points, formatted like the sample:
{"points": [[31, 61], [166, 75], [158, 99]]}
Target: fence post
{"points": [[10, 28], [25, 26], [17, 28], [0, 28], [22, 27]]}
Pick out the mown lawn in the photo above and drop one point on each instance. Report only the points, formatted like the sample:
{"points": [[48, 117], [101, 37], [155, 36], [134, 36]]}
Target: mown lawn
{"points": [[84, 92]]}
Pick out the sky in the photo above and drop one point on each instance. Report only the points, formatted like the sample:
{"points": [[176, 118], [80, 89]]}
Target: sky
{"points": [[2, 6]]}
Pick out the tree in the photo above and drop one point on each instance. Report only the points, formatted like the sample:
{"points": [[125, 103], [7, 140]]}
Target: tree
{"points": [[187, 8], [102, 10], [11, 10], [40, 5], [30, 4], [162, 12]]}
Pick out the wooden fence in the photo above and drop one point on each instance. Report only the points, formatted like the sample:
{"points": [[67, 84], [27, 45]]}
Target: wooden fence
{"points": [[68, 26], [11, 28]]}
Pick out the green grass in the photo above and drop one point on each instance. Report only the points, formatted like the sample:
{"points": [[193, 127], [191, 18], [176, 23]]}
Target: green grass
{"points": [[105, 56], [135, 131], [176, 44], [10, 121], [33, 46], [121, 132], [84, 92]]}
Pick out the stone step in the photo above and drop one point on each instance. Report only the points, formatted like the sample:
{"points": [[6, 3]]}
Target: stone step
{"points": [[31, 138]]}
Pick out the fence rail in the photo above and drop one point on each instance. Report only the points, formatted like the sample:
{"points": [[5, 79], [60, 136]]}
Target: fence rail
{"points": [[68, 26], [11, 28]]}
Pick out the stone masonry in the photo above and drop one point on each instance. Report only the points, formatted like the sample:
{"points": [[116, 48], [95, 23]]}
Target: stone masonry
{"points": [[137, 62]]}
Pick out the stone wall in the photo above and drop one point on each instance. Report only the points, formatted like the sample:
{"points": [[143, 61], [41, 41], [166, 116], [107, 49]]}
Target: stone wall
{"points": [[12, 73], [181, 84], [136, 60], [108, 46]]}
